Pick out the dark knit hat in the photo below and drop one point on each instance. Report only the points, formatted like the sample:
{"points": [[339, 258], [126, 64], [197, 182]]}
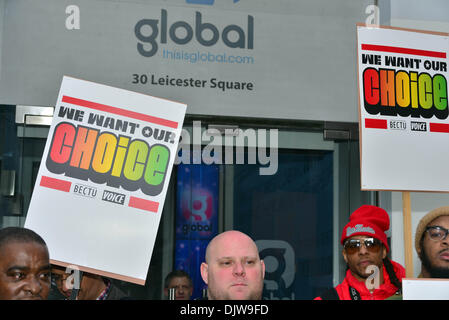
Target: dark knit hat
{"points": [[369, 221], [424, 222]]}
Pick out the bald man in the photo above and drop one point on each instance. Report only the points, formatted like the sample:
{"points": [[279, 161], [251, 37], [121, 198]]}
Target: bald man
{"points": [[233, 269]]}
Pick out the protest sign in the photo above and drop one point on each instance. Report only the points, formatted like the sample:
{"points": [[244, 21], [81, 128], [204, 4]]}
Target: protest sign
{"points": [[403, 114], [403, 109], [103, 178]]}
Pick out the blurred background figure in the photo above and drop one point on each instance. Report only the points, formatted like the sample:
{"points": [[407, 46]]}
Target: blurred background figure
{"points": [[181, 282], [92, 287]]}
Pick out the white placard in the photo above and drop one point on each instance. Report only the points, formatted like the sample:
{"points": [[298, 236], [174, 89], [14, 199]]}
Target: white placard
{"points": [[104, 174], [403, 109], [425, 289]]}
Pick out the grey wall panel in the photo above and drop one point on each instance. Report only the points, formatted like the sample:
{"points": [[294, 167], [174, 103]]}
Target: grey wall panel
{"points": [[302, 53]]}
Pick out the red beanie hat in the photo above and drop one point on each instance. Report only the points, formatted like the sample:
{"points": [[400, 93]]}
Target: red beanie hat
{"points": [[369, 221]]}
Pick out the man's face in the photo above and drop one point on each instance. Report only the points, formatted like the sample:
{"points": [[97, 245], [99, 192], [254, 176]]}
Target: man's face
{"points": [[183, 288], [435, 254], [234, 271], [24, 271], [359, 260]]}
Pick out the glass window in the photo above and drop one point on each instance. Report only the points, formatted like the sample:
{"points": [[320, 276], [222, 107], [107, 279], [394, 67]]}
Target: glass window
{"points": [[290, 215]]}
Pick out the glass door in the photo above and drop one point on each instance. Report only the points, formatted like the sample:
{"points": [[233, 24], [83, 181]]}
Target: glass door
{"points": [[290, 215]]}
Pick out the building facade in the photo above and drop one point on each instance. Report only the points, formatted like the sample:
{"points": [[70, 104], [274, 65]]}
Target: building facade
{"points": [[270, 141]]}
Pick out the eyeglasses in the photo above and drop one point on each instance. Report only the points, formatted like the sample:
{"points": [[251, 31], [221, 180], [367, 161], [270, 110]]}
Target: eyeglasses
{"points": [[371, 244], [437, 233]]}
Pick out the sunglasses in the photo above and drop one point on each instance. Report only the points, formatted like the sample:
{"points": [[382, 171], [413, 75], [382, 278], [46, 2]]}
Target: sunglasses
{"points": [[437, 233], [352, 246]]}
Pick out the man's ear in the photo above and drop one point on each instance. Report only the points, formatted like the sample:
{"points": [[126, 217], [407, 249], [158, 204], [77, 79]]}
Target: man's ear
{"points": [[204, 271], [384, 253], [263, 268]]}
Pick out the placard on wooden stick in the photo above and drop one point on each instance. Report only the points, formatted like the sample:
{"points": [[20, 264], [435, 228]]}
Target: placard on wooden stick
{"points": [[403, 113]]}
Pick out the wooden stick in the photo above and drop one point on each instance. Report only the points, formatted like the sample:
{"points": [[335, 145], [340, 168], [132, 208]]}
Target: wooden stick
{"points": [[408, 246]]}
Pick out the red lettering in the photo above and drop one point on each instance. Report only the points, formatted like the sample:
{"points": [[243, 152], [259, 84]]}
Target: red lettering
{"points": [[62, 142], [371, 86]]}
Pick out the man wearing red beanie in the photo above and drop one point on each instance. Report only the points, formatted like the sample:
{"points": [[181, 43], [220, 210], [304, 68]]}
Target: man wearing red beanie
{"points": [[370, 275]]}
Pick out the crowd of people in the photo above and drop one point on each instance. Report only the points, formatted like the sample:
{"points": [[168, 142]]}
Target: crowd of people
{"points": [[232, 268]]}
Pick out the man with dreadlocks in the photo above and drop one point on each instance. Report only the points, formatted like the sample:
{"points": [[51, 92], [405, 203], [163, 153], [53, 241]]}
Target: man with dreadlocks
{"points": [[365, 251]]}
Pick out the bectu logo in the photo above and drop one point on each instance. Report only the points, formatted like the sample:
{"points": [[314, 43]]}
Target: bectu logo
{"points": [[147, 32]]}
